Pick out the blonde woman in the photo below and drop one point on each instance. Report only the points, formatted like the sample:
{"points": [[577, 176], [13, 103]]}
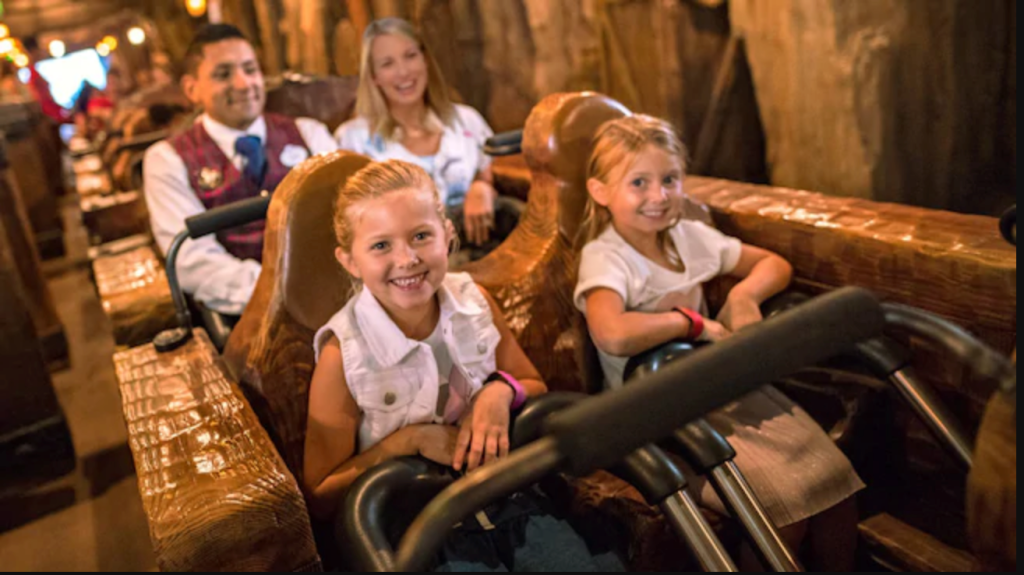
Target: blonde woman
{"points": [[404, 113]]}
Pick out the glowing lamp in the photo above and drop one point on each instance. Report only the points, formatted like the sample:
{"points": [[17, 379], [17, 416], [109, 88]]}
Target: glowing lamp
{"points": [[196, 8], [58, 49], [137, 36]]}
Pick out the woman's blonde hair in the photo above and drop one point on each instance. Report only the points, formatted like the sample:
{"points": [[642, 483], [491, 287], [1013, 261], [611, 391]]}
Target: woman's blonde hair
{"points": [[618, 143], [374, 181], [370, 101]]}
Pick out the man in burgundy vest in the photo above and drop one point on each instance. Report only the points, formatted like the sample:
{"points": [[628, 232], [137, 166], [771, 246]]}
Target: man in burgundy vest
{"points": [[233, 152]]}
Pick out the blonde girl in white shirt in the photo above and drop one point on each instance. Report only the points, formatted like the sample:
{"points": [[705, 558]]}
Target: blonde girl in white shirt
{"points": [[421, 362], [640, 284]]}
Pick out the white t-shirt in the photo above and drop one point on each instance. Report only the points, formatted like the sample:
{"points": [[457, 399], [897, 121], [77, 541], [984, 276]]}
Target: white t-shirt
{"points": [[450, 399], [458, 160], [609, 262]]}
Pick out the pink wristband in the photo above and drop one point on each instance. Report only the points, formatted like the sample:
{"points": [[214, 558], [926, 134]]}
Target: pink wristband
{"points": [[696, 321], [520, 391]]}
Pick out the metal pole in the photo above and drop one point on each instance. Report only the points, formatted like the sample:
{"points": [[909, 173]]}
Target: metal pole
{"points": [[177, 296], [739, 498], [684, 515], [934, 414]]}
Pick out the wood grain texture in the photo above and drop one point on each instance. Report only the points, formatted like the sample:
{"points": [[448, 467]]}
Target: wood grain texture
{"points": [[25, 267], [512, 176], [504, 57], [992, 490], [951, 264], [217, 495], [329, 99], [27, 398], [301, 287], [272, 54], [30, 167], [905, 549], [135, 296], [909, 90], [112, 217]]}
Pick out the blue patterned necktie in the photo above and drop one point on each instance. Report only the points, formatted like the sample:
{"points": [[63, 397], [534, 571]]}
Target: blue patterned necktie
{"points": [[251, 148]]}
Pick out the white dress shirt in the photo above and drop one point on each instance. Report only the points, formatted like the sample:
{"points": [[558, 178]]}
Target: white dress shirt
{"points": [[214, 277]]}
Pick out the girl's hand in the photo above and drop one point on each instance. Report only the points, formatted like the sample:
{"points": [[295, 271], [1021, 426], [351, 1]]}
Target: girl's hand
{"points": [[479, 212], [483, 437], [434, 442], [714, 331], [739, 313]]}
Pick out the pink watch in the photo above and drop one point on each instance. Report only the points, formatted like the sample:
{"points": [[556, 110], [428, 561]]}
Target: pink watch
{"points": [[512, 382]]}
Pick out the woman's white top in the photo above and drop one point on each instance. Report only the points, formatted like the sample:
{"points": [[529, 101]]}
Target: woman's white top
{"points": [[457, 162]]}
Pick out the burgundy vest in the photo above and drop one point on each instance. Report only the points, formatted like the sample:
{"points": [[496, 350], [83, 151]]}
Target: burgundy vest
{"points": [[217, 182]]}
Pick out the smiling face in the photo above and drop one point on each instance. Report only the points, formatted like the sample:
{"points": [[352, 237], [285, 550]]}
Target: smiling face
{"points": [[399, 248], [646, 196], [399, 69], [228, 83]]}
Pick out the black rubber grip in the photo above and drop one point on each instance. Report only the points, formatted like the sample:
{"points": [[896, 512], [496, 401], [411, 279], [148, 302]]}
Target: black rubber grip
{"points": [[1008, 225], [506, 144], [505, 139], [227, 217], [701, 446], [602, 431], [652, 473], [883, 356]]}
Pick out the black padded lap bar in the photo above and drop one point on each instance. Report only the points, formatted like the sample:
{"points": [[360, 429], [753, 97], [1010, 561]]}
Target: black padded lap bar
{"points": [[227, 217], [368, 508], [647, 469], [529, 424], [602, 431]]}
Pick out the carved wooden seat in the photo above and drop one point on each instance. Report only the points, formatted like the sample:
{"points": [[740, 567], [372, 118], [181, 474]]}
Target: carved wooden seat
{"points": [[25, 267], [33, 157]]}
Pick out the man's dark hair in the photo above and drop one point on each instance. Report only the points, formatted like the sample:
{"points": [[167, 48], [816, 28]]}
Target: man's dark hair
{"points": [[207, 35]]}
